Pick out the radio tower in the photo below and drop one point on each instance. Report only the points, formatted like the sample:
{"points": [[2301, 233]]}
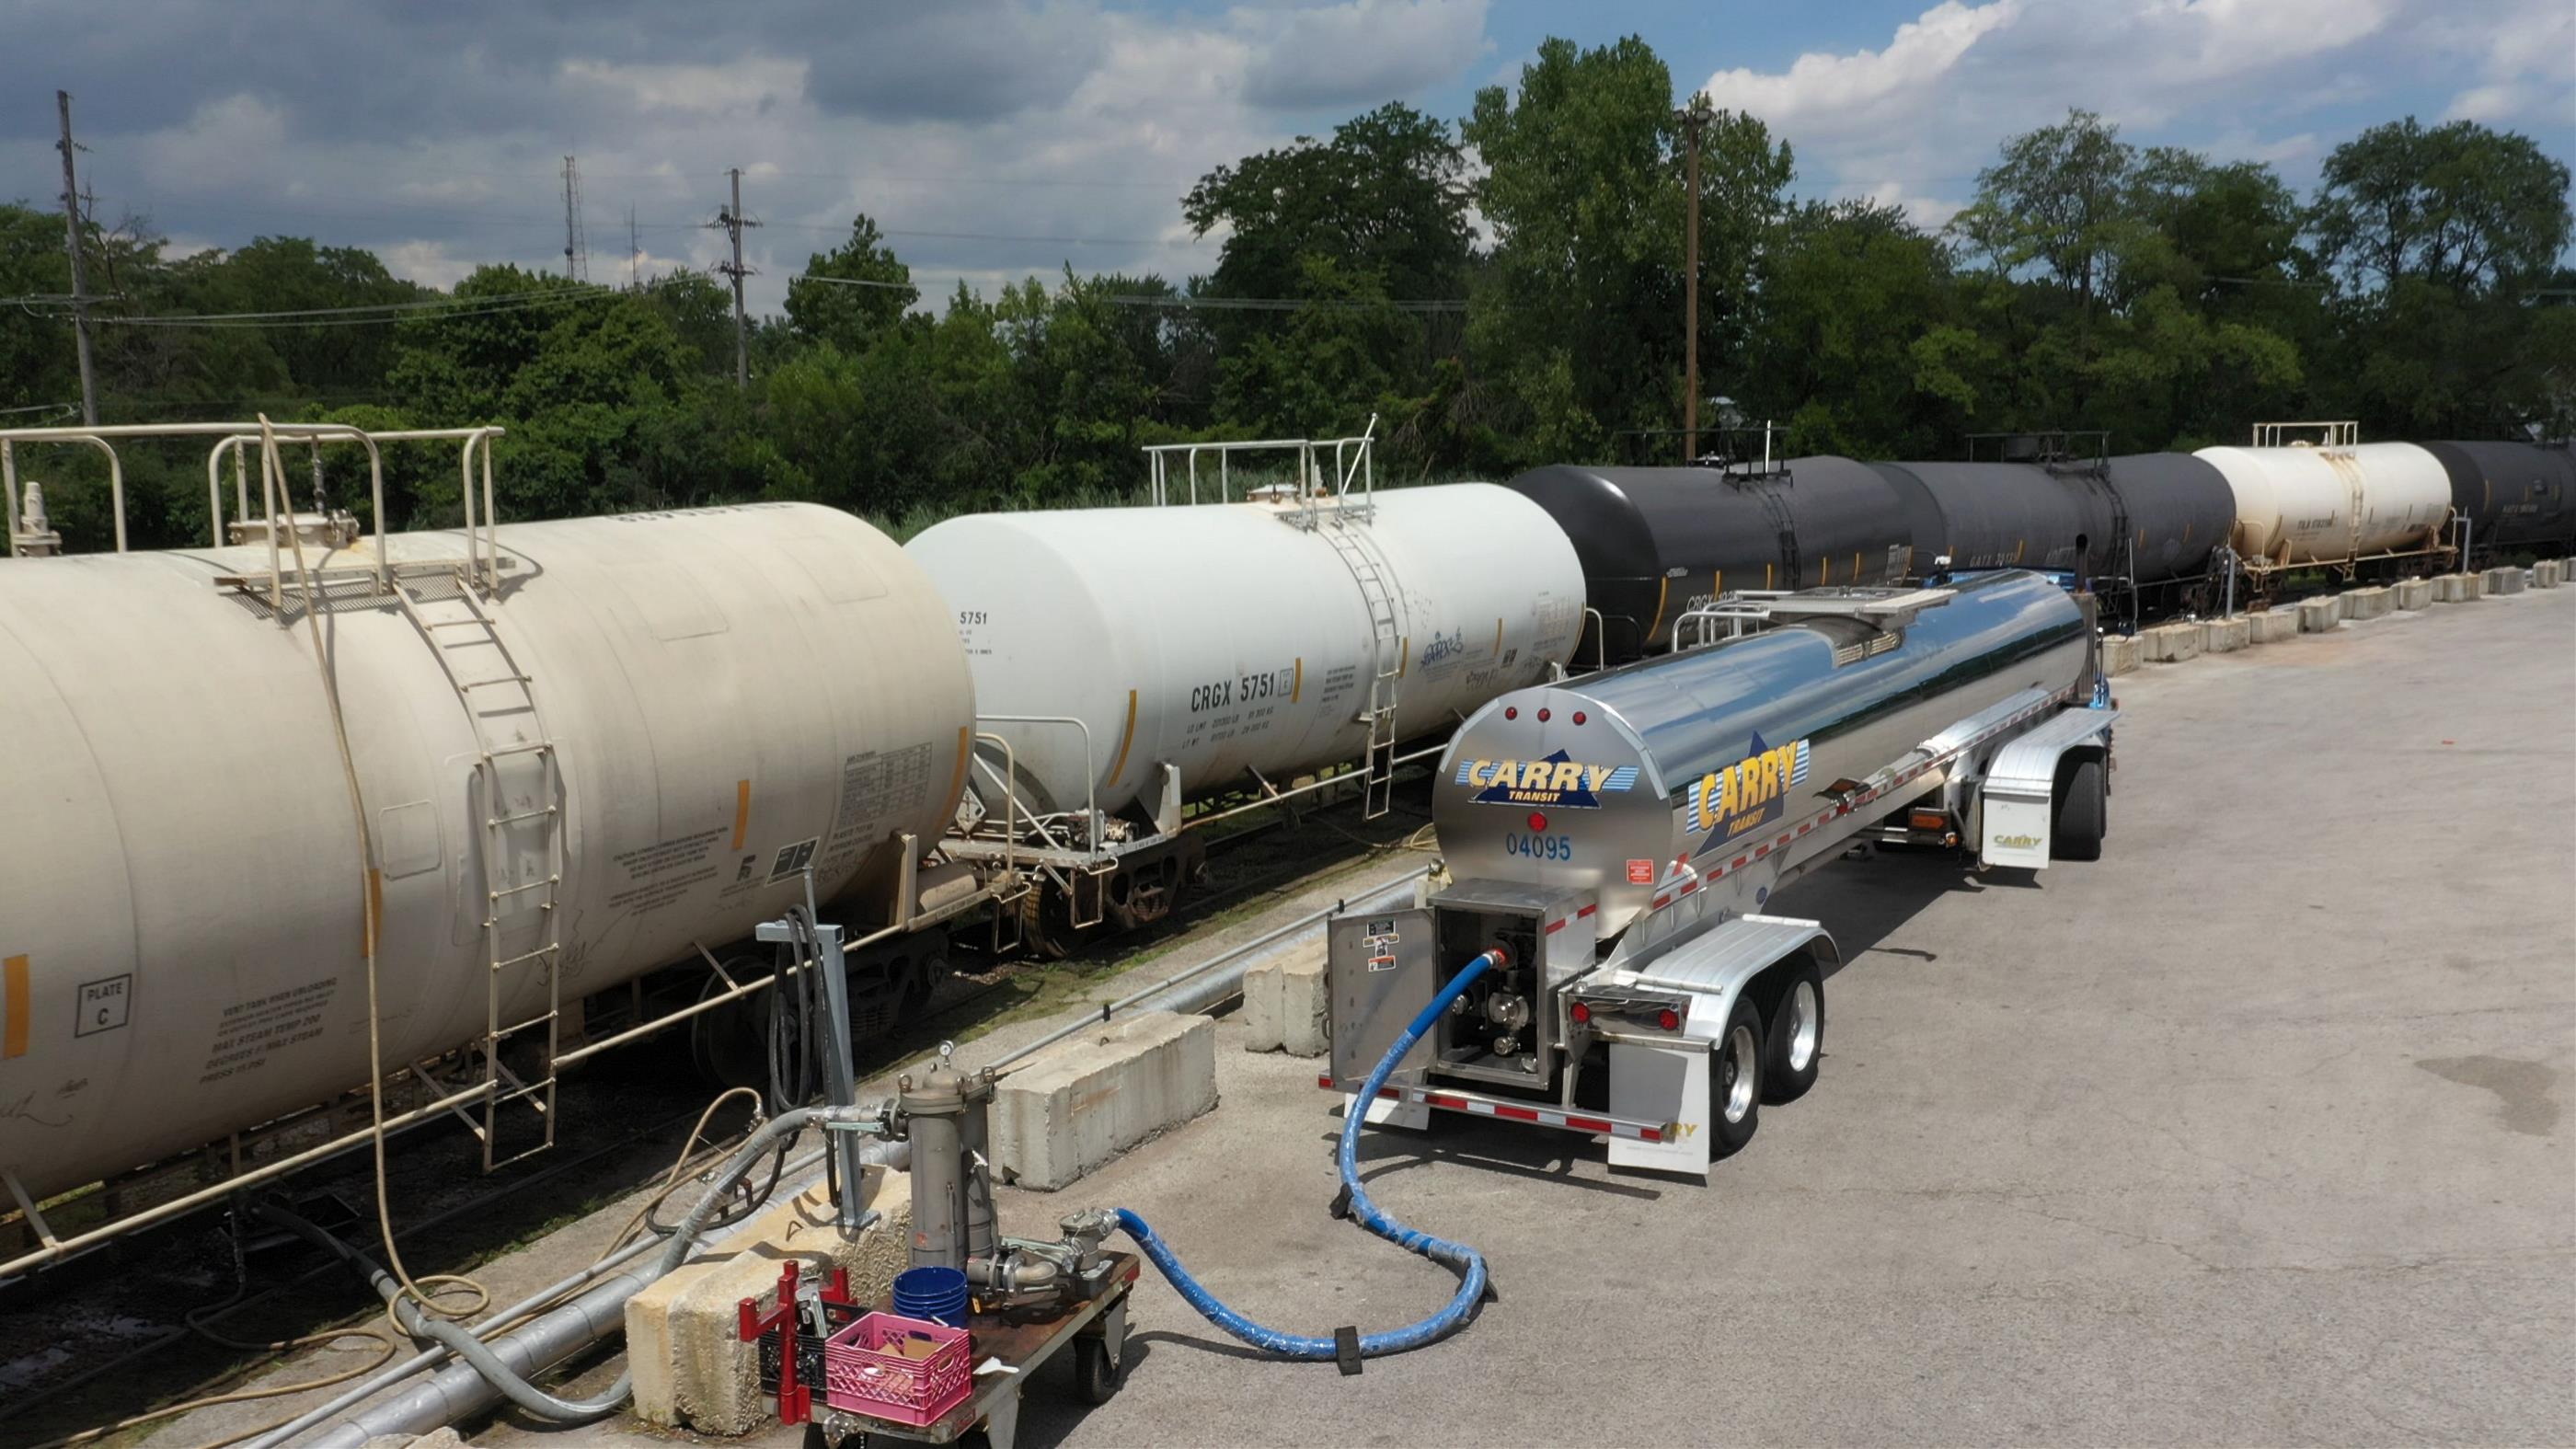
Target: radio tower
{"points": [[576, 251]]}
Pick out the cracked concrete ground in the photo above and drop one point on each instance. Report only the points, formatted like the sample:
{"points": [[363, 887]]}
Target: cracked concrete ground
{"points": [[2256, 1131]]}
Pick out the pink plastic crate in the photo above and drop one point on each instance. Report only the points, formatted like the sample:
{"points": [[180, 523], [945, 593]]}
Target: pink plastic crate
{"points": [[864, 1374]]}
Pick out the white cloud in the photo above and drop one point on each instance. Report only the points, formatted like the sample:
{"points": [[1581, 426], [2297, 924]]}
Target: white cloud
{"points": [[1358, 53], [1911, 121], [698, 90], [2528, 68], [1822, 94]]}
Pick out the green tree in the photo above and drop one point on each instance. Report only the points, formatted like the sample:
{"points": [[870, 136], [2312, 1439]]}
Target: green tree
{"points": [[878, 290], [1386, 194], [2460, 206], [1577, 318]]}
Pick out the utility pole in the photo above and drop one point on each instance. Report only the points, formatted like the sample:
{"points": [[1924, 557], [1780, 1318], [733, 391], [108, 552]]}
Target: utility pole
{"points": [[1694, 120], [576, 249], [634, 254], [731, 220], [72, 241]]}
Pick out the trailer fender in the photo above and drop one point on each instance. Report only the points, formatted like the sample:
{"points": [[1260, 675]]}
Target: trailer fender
{"points": [[1711, 971], [2019, 789]]}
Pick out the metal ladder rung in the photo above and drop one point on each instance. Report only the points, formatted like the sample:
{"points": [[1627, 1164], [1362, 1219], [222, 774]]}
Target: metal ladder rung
{"points": [[534, 1021], [501, 820], [525, 749], [524, 957], [495, 679], [518, 1094], [534, 885], [476, 622]]}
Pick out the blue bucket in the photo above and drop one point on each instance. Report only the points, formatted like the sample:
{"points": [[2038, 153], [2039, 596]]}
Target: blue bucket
{"points": [[935, 1293]]}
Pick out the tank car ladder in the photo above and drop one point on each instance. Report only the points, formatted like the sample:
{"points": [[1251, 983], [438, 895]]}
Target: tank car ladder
{"points": [[518, 804], [1387, 662]]}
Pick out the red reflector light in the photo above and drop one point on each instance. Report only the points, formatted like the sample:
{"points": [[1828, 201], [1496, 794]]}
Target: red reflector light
{"points": [[1669, 1019], [1578, 716], [1511, 711], [1929, 820], [1537, 821], [1542, 716], [1581, 1013]]}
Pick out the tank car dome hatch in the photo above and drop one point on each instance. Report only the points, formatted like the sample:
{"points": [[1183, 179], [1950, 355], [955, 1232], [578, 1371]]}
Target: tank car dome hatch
{"points": [[728, 697]]}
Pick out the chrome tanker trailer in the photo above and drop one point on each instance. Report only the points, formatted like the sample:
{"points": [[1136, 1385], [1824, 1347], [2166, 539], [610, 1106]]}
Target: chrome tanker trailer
{"points": [[1616, 837]]}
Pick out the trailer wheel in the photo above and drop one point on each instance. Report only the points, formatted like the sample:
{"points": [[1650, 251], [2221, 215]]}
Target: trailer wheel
{"points": [[2082, 811], [1097, 1371], [1735, 1081], [1793, 1040]]}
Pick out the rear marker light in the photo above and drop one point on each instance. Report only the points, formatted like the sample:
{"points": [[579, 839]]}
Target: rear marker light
{"points": [[1542, 716], [1669, 1019], [1511, 711], [1537, 821], [1581, 1013], [1578, 716]]}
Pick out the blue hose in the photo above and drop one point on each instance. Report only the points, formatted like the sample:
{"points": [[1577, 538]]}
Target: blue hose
{"points": [[1469, 1262]]}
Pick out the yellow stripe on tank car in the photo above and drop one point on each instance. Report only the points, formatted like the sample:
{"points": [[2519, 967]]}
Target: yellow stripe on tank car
{"points": [[2020, 547], [1825, 569], [1855, 565], [1663, 589], [375, 921], [1403, 654], [1498, 638], [1125, 741], [741, 811], [1297, 686], [14, 1044]]}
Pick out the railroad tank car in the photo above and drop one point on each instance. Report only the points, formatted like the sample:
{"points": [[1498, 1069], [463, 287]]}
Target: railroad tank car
{"points": [[1657, 542], [2179, 510], [2515, 495], [1221, 638], [2333, 505], [1989, 515], [729, 695]]}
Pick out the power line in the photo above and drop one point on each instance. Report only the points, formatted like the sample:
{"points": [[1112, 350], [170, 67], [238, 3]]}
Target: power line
{"points": [[465, 308], [427, 304]]}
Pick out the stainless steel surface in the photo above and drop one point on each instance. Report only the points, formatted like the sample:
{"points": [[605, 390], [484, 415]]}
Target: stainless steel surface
{"points": [[1804, 1022], [1678, 759]]}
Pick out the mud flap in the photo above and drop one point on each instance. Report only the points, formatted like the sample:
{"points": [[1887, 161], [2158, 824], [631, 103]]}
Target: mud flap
{"points": [[1654, 1084]]}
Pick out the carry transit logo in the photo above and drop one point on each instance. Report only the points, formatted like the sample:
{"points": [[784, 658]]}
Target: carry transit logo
{"points": [[1748, 794], [1557, 782]]}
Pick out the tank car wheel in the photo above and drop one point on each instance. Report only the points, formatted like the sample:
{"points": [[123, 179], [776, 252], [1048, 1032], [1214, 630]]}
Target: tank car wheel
{"points": [[1046, 928], [1793, 1040], [2082, 813], [1735, 1081], [729, 1046], [1098, 1370]]}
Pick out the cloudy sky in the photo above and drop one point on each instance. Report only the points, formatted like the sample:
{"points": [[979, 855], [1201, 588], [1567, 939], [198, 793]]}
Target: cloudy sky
{"points": [[995, 138]]}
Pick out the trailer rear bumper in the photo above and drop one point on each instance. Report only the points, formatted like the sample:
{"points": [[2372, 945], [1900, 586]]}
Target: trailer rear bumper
{"points": [[1507, 1109]]}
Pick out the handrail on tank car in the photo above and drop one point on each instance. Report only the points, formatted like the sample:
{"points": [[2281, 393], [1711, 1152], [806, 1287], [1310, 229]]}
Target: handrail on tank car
{"points": [[1354, 460], [9, 475], [2338, 434]]}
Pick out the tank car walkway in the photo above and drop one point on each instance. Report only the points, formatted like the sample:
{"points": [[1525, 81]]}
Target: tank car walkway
{"points": [[2258, 1131]]}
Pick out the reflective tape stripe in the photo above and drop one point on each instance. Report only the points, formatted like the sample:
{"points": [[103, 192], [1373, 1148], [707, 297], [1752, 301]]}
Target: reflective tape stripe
{"points": [[1510, 1111], [742, 804], [13, 1038]]}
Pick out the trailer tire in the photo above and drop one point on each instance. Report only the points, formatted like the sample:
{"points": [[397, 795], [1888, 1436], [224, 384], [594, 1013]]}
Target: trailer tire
{"points": [[2082, 811], [1735, 1081], [1793, 1039]]}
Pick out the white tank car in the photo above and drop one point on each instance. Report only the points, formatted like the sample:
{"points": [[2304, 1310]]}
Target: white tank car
{"points": [[2327, 504], [1224, 637], [728, 692]]}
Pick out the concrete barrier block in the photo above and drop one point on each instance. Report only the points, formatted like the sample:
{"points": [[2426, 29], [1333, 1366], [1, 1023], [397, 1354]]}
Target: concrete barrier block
{"points": [[2226, 636], [2473, 586], [683, 1343], [2319, 616], [2446, 589], [1261, 1007], [2413, 594], [2504, 581], [2274, 625], [2549, 573], [2368, 603], [2172, 643], [1305, 1009], [2120, 653], [1083, 1102]]}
